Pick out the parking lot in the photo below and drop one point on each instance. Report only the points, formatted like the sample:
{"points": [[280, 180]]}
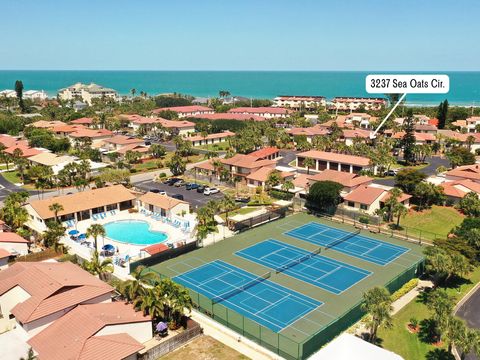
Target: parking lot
{"points": [[195, 199]]}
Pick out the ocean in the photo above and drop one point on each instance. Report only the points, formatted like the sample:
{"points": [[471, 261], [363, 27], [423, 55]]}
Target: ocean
{"points": [[464, 86]]}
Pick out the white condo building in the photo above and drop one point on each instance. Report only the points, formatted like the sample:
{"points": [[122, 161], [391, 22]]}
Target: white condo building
{"points": [[87, 92]]}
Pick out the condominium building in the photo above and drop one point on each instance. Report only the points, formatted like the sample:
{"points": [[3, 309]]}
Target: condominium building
{"points": [[87, 92], [300, 102], [356, 103]]}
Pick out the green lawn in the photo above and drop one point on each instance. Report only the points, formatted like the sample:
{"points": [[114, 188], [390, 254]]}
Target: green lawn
{"points": [[437, 220], [12, 176], [223, 146], [151, 165], [399, 340]]}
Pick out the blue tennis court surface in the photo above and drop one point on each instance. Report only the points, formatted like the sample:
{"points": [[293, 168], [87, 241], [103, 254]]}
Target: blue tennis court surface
{"points": [[362, 247], [331, 275], [265, 302]]}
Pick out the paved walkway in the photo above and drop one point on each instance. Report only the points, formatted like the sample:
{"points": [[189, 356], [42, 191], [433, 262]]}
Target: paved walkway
{"points": [[412, 294]]}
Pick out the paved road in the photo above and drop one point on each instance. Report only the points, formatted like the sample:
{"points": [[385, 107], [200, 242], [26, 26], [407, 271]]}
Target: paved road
{"points": [[469, 312], [6, 187], [192, 196], [433, 163]]}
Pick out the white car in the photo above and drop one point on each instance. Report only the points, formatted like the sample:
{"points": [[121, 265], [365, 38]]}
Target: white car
{"points": [[210, 191]]}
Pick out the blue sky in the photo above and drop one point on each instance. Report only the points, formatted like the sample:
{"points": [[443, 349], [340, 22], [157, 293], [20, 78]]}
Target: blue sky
{"points": [[240, 35]]}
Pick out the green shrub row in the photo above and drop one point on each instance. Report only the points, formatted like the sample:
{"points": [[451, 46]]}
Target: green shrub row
{"points": [[407, 287]]}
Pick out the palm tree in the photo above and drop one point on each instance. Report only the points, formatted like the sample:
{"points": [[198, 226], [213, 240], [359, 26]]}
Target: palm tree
{"points": [[96, 230], [308, 163], [55, 208], [97, 267], [274, 178], [287, 186], [132, 289], [133, 92], [227, 204], [399, 210], [151, 303], [20, 162], [378, 303]]}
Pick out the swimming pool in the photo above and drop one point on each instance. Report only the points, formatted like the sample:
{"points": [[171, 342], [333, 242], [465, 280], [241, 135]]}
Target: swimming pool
{"points": [[135, 232]]}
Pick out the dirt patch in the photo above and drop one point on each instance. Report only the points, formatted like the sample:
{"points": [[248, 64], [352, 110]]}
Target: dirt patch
{"points": [[204, 348]]}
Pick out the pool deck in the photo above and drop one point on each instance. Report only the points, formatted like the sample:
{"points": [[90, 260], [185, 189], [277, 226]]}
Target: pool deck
{"points": [[134, 251]]}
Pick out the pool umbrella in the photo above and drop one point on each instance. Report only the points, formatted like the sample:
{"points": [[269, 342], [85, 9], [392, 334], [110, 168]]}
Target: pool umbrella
{"points": [[82, 236], [73, 232], [161, 326], [108, 247]]}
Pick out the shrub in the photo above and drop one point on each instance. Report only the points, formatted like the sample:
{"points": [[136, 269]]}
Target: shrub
{"points": [[364, 219], [280, 195], [162, 175], [133, 170], [407, 287], [414, 322]]}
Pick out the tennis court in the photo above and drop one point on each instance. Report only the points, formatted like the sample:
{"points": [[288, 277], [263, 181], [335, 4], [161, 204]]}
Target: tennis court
{"points": [[350, 243], [265, 302], [311, 267]]}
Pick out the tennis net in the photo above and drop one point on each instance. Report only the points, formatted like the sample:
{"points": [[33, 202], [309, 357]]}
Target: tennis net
{"points": [[299, 260], [342, 239], [239, 289]]}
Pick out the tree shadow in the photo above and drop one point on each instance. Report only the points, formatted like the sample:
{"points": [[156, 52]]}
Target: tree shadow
{"points": [[439, 354], [424, 295], [455, 282], [427, 332]]}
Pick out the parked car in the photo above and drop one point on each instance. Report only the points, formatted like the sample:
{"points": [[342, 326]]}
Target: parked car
{"points": [[391, 172], [210, 191], [156, 191], [243, 199], [172, 181], [200, 189], [179, 183], [177, 196], [191, 186], [148, 143]]}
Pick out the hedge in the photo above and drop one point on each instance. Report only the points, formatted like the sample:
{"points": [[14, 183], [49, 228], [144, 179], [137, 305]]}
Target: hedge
{"points": [[409, 286]]}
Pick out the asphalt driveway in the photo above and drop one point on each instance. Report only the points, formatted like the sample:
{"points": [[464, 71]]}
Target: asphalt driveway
{"points": [[191, 196]]}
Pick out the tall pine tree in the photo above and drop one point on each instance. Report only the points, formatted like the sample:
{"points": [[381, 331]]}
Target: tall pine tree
{"points": [[442, 114], [408, 140], [19, 92]]}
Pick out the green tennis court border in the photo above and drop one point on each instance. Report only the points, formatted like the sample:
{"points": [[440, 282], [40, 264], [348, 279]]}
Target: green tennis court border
{"points": [[306, 335]]}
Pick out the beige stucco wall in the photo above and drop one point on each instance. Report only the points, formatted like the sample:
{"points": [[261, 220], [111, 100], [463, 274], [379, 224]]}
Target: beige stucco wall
{"points": [[139, 331], [11, 298]]}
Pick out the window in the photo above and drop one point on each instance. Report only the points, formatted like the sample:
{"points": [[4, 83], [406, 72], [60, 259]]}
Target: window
{"points": [[351, 204], [363, 207]]}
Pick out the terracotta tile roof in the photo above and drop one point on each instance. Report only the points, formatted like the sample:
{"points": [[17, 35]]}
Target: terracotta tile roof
{"points": [[124, 140], [73, 336], [259, 110], [155, 248], [161, 201], [425, 127], [8, 140], [334, 157], [401, 198], [52, 287], [83, 121], [91, 133], [43, 124], [184, 109], [4, 253], [471, 172], [175, 124], [418, 136], [301, 180], [263, 173], [211, 136], [230, 116], [344, 178], [459, 136], [364, 195], [133, 147], [206, 165], [27, 151], [460, 188], [308, 131], [10, 237], [50, 159], [356, 133], [264, 152], [83, 200], [340, 121], [246, 161], [67, 128]]}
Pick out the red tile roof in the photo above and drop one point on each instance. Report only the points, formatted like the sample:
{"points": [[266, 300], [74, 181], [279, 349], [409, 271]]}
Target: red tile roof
{"points": [[26, 150], [263, 153], [356, 133], [184, 109], [124, 140], [263, 173], [73, 336], [4, 253], [91, 133], [230, 116], [335, 157], [133, 147], [10, 237], [211, 136], [460, 188], [247, 161], [344, 178], [471, 172], [8, 140], [308, 131], [365, 195], [52, 287], [83, 121], [155, 248]]}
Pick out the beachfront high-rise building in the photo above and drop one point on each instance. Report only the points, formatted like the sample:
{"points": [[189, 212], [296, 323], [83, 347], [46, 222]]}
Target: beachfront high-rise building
{"points": [[86, 92], [300, 102], [356, 103]]}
